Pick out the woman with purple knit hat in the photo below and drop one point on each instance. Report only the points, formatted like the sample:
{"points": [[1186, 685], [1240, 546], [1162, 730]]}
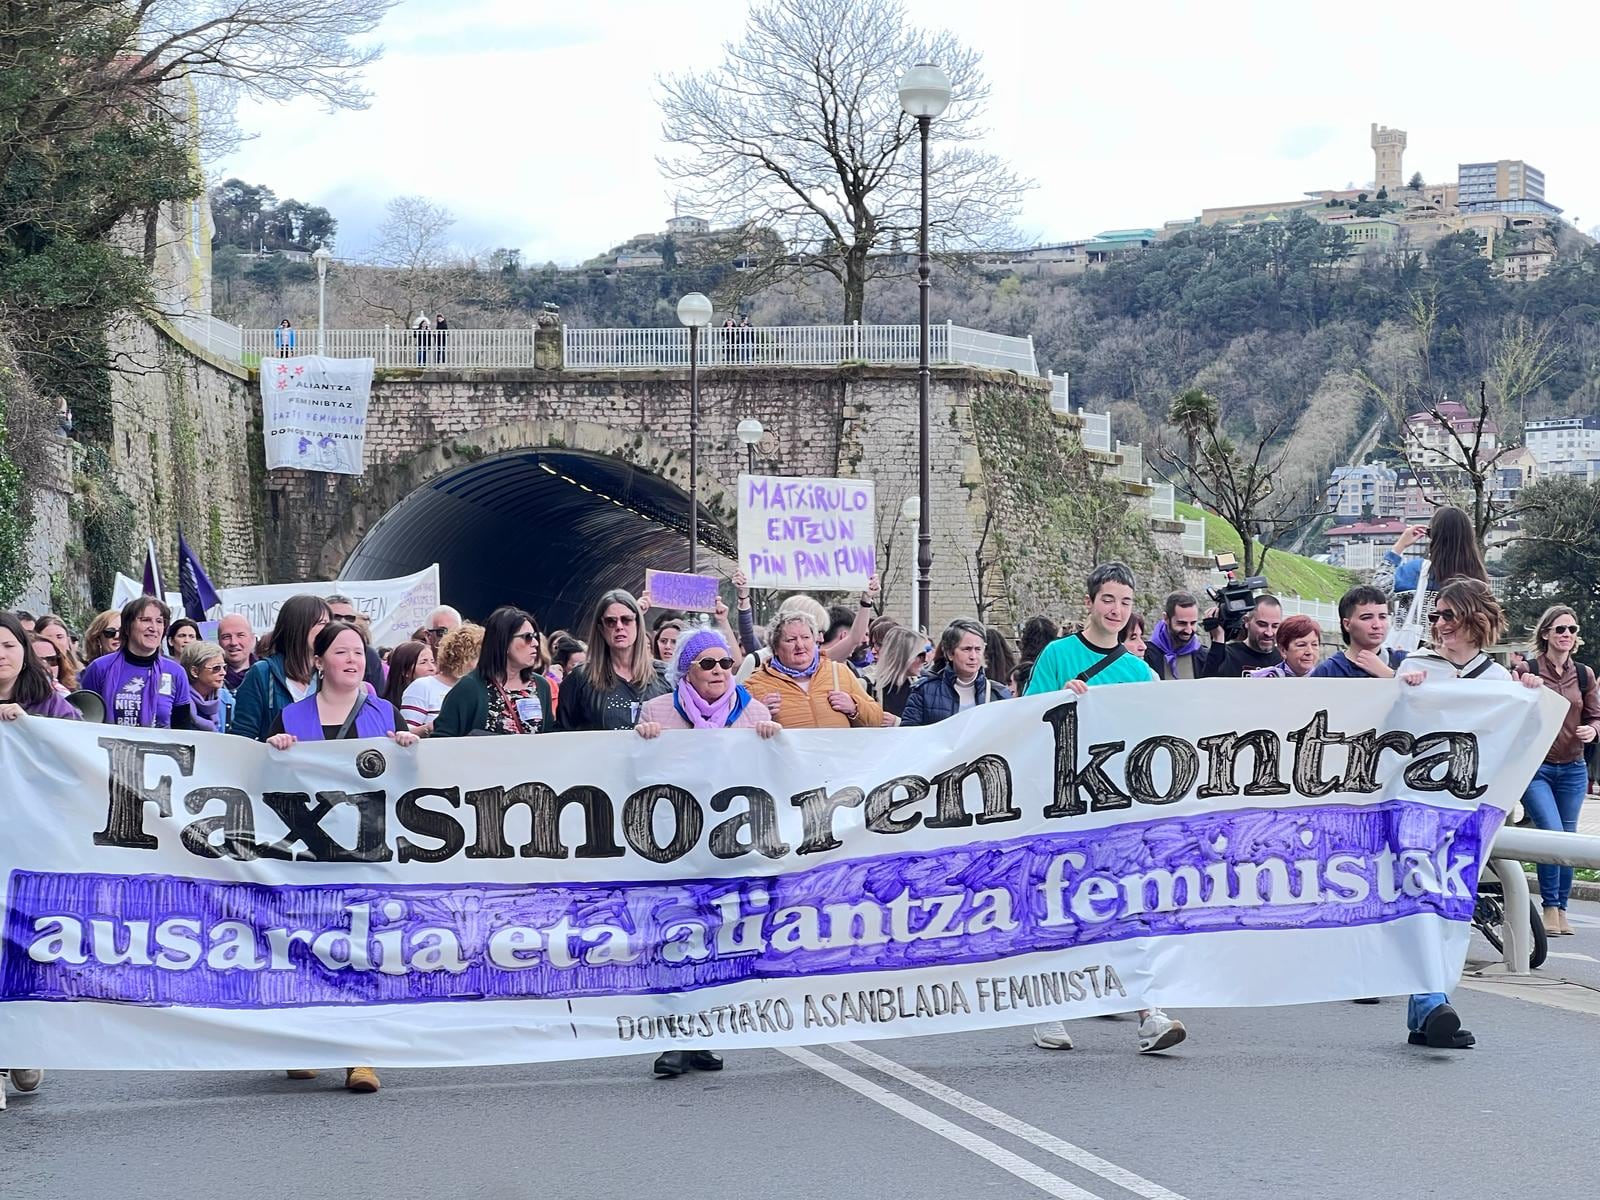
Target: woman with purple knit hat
{"points": [[704, 696]]}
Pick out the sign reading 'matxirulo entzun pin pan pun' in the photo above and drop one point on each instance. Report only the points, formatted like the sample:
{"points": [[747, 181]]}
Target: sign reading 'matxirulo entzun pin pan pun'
{"points": [[196, 900]]}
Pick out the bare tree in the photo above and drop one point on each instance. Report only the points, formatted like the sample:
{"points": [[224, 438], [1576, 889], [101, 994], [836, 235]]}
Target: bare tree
{"points": [[1454, 447], [412, 266], [799, 133]]}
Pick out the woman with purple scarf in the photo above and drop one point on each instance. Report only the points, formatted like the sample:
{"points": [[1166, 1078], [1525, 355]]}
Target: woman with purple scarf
{"points": [[704, 696]]}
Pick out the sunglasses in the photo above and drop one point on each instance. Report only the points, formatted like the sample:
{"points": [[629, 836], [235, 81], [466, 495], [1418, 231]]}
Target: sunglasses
{"points": [[1443, 614], [617, 622], [1563, 629], [52, 659], [524, 637], [707, 664]]}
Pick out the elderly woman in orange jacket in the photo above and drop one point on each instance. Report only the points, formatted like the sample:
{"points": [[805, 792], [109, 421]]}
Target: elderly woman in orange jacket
{"points": [[803, 688]]}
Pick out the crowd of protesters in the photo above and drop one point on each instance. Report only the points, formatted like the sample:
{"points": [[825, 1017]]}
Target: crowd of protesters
{"points": [[317, 677]]}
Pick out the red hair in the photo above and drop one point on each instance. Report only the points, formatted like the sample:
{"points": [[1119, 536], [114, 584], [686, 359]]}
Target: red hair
{"points": [[1294, 628]]}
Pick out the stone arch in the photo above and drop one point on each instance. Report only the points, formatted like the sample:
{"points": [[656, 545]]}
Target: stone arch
{"points": [[546, 514]]}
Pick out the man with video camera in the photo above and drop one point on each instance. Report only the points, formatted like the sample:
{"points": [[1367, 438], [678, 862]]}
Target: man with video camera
{"points": [[1243, 625]]}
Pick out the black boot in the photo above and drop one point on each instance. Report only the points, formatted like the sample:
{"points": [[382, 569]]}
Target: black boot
{"points": [[671, 1063], [705, 1060], [1441, 1030]]}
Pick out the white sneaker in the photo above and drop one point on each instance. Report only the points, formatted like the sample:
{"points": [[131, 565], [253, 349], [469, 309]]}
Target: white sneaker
{"points": [[1052, 1035], [25, 1079], [1159, 1032]]}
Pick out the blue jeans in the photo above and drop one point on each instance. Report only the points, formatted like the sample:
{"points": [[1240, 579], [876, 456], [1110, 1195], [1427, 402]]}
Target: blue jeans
{"points": [[1420, 1006], [1553, 799]]}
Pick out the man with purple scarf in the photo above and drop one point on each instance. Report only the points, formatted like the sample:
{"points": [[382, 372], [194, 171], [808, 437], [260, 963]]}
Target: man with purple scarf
{"points": [[139, 685], [1175, 650]]}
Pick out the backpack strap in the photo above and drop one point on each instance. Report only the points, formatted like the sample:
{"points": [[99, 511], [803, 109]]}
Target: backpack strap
{"points": [[1479, 669], [1106, 660]]}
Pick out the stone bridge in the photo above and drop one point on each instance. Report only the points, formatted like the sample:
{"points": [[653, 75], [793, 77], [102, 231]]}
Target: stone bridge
{"points": [[545, 486]]}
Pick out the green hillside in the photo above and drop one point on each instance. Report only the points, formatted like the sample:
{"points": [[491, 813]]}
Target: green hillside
{"points": [[1287, 574]]}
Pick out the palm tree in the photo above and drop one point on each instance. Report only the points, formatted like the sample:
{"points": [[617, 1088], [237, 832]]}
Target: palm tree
{"points": [[1194, 414]]}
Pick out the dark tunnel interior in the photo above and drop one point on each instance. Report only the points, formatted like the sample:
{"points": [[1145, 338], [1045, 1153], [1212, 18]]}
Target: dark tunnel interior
{"points": [[547, 529]]}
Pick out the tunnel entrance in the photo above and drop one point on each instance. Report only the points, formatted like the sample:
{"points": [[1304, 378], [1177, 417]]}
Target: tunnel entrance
{"points": [[547, 529]]}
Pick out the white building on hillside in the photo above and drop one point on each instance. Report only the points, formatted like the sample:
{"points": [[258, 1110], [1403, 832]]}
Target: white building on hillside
{"points": [[1566, 446]]}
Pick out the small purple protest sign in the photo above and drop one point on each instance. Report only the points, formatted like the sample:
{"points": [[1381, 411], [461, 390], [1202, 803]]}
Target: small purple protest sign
{"points": [[673, 589], [807, 533]]}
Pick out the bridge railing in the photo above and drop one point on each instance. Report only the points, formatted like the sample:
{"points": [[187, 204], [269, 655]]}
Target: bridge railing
{"points": [[210, 333], [656, 348]]}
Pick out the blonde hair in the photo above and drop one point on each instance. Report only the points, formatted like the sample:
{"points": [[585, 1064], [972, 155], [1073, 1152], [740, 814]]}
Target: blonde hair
{"points": [[458, 650]]}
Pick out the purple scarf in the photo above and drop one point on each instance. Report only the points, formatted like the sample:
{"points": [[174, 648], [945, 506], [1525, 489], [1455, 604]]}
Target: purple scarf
{"points": [[797, 672], [1161, 639], [708, 714]]}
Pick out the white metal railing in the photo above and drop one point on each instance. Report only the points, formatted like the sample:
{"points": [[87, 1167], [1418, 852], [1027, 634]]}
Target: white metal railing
{"points": [[1060, 400], [1513, 847], [665, 347], [794, 346], [391, 346], [1131, 464], [209, 333], [1194, 538], [1097, 431], [1361, 556], [1320, 611], [1162, 500]]}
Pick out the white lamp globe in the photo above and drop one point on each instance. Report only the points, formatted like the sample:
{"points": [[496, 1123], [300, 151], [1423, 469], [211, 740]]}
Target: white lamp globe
{"points": [[694, 309], [924, 91]]}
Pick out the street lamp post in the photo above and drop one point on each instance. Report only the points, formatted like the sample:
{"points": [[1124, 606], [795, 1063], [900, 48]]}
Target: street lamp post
{"points": [[694, 311], [322, 258], [750, 431], [911, 513], [924, 94]]}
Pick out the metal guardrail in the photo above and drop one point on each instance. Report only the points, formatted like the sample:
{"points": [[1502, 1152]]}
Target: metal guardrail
{"points": [[418, 349], [1514, 847]]}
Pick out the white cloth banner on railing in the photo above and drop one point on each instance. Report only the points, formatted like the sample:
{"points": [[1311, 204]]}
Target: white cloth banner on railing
{"points": [[397, 607], [199, 901], [314, 412]]}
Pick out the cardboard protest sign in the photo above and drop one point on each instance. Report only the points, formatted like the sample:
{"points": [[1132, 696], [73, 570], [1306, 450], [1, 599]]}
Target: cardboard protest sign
{"points": [[818, 534], [689, 593]]}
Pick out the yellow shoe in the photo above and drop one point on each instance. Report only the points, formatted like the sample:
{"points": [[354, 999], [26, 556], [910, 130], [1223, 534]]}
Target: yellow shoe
{"points": [[361, 1079], [301, 1074], [1552, 921]]}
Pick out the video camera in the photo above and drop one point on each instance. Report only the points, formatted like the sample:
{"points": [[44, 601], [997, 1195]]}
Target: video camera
{"points": [[1234, 599]]}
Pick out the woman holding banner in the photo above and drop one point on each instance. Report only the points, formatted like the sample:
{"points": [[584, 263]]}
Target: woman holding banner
{"points": [[1466, 620], [611, 687], [803, 689], [704, 696], [505, 693], [342, 707], [285, 675]]}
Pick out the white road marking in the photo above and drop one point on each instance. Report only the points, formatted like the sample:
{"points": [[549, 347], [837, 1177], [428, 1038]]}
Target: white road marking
{"points": [[1550, 993], [997, 1155], [1573, 955], [1061, 1148]]}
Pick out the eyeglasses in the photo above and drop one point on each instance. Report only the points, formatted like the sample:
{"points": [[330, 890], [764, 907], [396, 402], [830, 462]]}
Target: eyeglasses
{"points": [[707, 664], [617, 622], [51, 659], [1563, 629], [216, 669], [524, 637], [439, 631], [1443, 614]]}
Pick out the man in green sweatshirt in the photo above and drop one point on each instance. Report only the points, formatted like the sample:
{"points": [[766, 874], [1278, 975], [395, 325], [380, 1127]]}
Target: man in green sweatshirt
{"points": [[1093, 657]]}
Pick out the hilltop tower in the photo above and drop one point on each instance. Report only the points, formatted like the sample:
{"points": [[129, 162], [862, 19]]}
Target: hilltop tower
{"points": [[1388, 147]]}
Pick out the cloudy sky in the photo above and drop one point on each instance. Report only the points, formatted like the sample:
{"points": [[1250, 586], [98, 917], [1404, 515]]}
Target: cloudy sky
{"points": [[537, 124]]}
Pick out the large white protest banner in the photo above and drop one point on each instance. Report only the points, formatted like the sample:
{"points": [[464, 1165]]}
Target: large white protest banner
{"points": [[397, 607], [200, 901], [125, 588], [818, 534], [314, 412]]}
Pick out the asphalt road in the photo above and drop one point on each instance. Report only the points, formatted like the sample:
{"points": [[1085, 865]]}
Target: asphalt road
{"points": [[1314, 1101]]}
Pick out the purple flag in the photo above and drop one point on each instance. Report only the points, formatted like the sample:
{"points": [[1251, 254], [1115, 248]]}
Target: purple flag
{"points": [[199, 597]]}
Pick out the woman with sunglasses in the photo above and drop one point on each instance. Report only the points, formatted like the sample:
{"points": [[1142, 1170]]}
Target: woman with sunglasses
{"points": [[904, 656], [1465, 620], [704, 696], [54, 630], [619, 676], [210, 700], [505, 693], [103, 636], [1555, 795]]}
